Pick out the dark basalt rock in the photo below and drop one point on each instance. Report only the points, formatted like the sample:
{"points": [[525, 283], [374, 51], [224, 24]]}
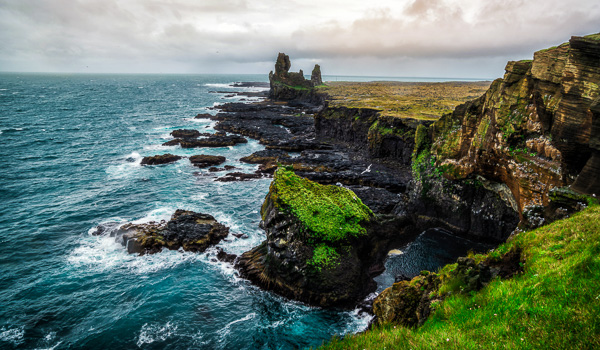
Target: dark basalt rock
{"points": [[186, 229], [282, 262], [185, 133], [265, 156], [160, 159], [216, 140], [203, 116], [224, 256], [173, 142], [238, 177], [204, 160], [213, 169], [286, 85]]}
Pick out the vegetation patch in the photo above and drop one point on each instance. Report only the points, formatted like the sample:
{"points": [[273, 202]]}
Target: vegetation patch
{"points": [[329, 213], [324, 256], [553, 304], [424, 101]]}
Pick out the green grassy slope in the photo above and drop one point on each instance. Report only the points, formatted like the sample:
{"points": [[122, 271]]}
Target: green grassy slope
{"points": [[553, 304]]}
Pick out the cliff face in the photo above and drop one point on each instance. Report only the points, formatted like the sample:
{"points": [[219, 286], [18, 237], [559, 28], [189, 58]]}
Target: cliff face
{"points": [[534, 130], [286, 85], [323, 244], [364, 129]]}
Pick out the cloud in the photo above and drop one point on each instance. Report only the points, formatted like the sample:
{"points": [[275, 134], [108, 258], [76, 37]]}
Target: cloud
{"points": [[223, 35], [437, 28]]}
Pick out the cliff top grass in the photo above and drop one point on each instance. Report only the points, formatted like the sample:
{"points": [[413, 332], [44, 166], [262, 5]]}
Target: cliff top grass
{"points": [[553, 304], [424, 101], [330, 213]]}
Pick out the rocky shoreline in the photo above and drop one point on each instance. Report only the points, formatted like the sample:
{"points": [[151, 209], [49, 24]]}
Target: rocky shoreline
{"points": [[499, 162]]}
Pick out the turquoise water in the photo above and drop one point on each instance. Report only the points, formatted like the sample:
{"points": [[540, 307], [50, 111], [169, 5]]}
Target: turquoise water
{"points": [[71, 147]]}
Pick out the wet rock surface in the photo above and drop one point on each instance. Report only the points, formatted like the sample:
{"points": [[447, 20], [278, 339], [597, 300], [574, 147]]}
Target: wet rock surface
{"points": [[204, 160], [188, 230], [220, 139], [160, 159], [186, 133]]}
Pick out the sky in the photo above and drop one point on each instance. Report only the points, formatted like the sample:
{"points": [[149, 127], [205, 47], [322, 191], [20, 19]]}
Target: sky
{"points": [[409, 38]]}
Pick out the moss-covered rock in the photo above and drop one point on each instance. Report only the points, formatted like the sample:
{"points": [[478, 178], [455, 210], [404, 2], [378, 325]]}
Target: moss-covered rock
{"points": [[316, 240], [409, 303]]}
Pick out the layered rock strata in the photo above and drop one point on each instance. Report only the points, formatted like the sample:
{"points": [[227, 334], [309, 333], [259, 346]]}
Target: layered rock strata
{"points": [[533, 130]]}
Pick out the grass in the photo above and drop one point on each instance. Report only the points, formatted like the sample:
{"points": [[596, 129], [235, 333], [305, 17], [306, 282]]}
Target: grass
{"points": [[554, 304], [424, 101]]}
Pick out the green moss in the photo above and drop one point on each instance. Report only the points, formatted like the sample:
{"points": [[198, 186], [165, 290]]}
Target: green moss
{"points": [[554, 304], [324, 256], [329, 213], [593, 36], [482, 129]]}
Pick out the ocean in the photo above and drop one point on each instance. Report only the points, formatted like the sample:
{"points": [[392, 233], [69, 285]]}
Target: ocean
{"points": [[71, 147]]}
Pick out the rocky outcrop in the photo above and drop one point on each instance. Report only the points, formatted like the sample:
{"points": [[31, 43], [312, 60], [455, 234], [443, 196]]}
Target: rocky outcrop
{"points": [[533, 130], [315, 77], [410, 302], [287, 86], [219, 139], [315, 238], [384, 138], [188, 230], [186, 133], [205, 160], [160, 159]]}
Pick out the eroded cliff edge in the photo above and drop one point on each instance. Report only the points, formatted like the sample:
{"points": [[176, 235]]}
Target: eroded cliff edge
{"points": [[535, 130]]}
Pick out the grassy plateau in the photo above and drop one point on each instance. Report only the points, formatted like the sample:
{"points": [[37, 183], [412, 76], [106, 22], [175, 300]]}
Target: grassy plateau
{"points": [[404, 100]]}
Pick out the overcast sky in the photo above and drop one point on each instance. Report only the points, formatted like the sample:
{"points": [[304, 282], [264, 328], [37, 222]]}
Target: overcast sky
{"points": [[417, 38]]}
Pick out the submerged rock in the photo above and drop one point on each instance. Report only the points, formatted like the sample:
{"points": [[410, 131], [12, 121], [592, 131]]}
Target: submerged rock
{"points": [[215, 140], [187, 229], [160, 159], [237, 176]]}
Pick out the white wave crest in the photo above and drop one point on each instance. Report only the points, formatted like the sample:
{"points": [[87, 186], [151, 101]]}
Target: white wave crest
{"points": [[151, 333], [223, 332], [224, 86], [12, 335], [163, 213], [132, 163]]}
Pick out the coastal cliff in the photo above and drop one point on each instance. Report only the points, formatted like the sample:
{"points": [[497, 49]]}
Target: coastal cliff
{"points": [[323, 244], [535, 130]]}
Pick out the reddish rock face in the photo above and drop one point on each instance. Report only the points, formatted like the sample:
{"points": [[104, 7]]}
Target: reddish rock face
{"points": [[533, 129]]}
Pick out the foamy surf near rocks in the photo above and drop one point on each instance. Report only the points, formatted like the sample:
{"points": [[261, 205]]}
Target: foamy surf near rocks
{"points": [[188, 230]]}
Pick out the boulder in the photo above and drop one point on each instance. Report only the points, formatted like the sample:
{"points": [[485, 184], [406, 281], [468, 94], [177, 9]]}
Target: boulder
{"points": [[204, 160], [188, 230], [160, 159], [185, 133]]}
